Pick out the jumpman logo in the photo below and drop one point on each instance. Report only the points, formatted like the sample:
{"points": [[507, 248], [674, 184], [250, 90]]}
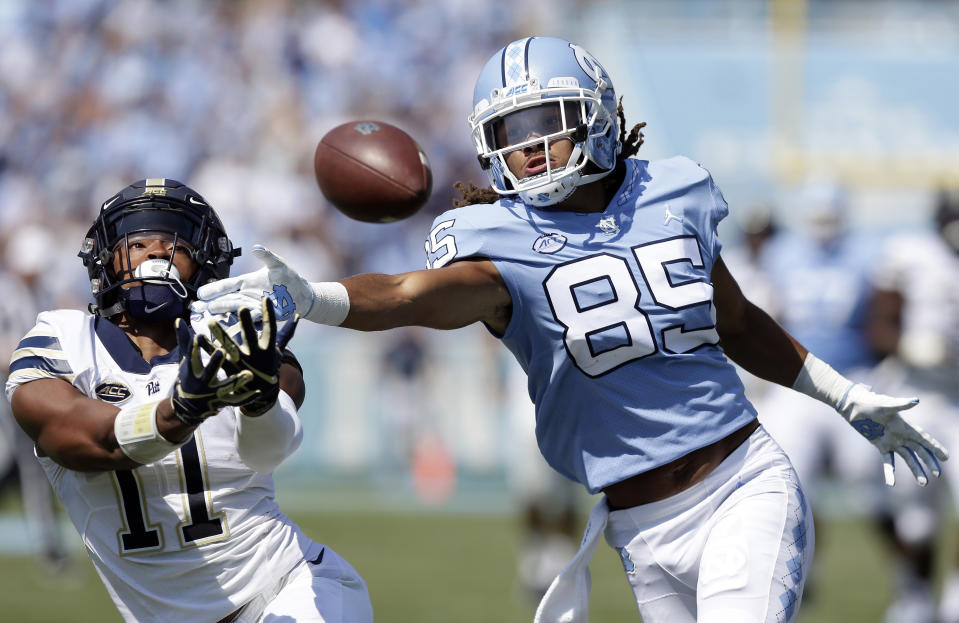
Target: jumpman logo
{"points": [[670, 215]]}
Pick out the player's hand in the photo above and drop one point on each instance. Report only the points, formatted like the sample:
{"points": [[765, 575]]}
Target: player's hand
{"points": [[198, 393], [260, 354], [292, 293], [877, 418]]}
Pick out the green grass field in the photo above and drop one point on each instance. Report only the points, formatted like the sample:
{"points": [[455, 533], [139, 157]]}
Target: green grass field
{"points": [[443, 568]]}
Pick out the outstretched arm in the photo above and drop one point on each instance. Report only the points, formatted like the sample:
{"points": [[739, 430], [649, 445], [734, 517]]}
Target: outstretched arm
{"points": [[450, 297], [444, 298], [756, 342]]}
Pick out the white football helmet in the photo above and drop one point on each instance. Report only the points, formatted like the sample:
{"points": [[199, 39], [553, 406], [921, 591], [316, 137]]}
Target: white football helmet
{"points": [[536, 92]]}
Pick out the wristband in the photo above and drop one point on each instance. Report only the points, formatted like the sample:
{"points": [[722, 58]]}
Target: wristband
{"points": [[331, 303], [136, 431], [819, 380]]}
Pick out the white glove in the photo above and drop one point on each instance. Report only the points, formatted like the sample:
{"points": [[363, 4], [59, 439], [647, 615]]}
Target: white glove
{"points": [[876, 417], [324, 302]]}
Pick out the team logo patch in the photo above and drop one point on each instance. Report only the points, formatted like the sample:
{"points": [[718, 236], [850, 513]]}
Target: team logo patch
{"points": [[549, 243], [870, 429], [113, 392], [608, 225], [282, 301]]}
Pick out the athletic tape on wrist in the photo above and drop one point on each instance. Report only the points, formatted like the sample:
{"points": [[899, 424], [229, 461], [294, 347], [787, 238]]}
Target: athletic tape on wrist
{"points": [[136, 431], [818, 379], [331, 303]]}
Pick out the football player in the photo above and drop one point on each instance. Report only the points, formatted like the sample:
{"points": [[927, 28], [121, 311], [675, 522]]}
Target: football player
{"points": [[161, 442], [914, 320], [602, 274]]}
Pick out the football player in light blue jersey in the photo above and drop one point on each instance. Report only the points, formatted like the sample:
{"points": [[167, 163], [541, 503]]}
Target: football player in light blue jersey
{"points": [[602, 274]]}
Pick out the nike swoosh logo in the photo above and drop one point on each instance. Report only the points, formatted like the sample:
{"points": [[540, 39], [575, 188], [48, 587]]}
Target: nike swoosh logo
{"points": [[319, 558], [195, 202], [153, 309]]}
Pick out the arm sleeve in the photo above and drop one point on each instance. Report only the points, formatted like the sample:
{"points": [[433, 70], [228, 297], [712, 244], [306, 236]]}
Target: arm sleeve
{"points": [[264, 442]]}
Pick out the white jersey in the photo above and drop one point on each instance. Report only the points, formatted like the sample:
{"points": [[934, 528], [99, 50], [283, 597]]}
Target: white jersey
{"points": [[925, 271], [191, 537]]}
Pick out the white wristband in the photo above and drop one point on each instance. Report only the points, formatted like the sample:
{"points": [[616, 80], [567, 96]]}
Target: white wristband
{"points": [[136, 431], [331, 303], [818, 379]]}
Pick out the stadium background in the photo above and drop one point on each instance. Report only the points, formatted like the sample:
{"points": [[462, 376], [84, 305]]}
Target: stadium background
{"points": [[405, 466]]}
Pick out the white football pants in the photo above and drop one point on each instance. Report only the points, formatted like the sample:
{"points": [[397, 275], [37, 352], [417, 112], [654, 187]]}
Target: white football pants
{"points": [[323, 588], [734, 547]]}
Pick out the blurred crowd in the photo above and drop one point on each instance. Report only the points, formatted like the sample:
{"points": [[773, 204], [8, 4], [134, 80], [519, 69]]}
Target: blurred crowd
{"points": [[230, 97]]}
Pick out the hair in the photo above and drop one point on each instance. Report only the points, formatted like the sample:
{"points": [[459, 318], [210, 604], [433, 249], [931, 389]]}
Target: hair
{"points": [[473, 194]]}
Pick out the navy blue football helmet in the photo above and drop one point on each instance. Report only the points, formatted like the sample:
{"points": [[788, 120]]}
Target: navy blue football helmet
{"points": [[155, 205]]}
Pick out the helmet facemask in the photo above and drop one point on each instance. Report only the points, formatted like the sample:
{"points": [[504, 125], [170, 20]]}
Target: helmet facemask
{"points": [[157, 294], [564, 115]]}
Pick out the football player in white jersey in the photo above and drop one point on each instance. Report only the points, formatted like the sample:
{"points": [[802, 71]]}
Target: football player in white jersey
{"points": [[601, 274], [915, 322], [161, 443]]}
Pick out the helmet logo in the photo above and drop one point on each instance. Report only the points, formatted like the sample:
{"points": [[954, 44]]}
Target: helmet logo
{"points": [[155, 186], [588, 63]]}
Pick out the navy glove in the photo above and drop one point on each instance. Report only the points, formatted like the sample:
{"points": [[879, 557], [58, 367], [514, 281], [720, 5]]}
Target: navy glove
{"points": [[198, 393], [260, 354]]}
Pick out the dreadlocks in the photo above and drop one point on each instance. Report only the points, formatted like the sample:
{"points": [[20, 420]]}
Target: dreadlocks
{"points": [[473, 194]]}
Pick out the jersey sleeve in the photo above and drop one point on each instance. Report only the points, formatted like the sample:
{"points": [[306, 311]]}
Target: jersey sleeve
{"points": [[39, 355], [452, 237], [716, 209]]}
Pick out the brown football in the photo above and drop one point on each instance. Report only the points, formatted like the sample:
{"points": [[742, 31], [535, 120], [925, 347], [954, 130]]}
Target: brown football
{"points": [[372, 171]]}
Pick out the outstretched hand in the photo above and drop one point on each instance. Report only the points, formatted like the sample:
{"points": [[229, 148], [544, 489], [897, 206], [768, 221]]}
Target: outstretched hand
{"points": [[877, 418], [292, 292], [259, 354], [198, 393]]}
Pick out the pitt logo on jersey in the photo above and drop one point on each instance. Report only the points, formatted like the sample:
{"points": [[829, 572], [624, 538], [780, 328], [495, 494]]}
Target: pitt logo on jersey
{"points": [[113, 392]]}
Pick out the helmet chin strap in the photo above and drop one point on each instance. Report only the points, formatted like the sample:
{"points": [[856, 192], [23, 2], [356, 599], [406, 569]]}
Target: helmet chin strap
{"points": [[161, 297]]}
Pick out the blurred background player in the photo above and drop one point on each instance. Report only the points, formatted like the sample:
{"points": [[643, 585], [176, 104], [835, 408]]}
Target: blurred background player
{"points": [[819, 272], [914, 321], [758, 229], [163, 464], [25, 252]]}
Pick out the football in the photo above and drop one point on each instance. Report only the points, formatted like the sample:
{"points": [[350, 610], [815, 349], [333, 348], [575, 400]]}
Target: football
{"points": [[372, 171]]}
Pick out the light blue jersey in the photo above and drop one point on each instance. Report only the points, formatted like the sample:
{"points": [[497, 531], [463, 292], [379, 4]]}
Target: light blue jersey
{"points": [[825, 292], [612, 319]]}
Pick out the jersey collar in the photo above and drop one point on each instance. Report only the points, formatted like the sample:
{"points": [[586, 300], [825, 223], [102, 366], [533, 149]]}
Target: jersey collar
{"points": [[124, 353]]}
